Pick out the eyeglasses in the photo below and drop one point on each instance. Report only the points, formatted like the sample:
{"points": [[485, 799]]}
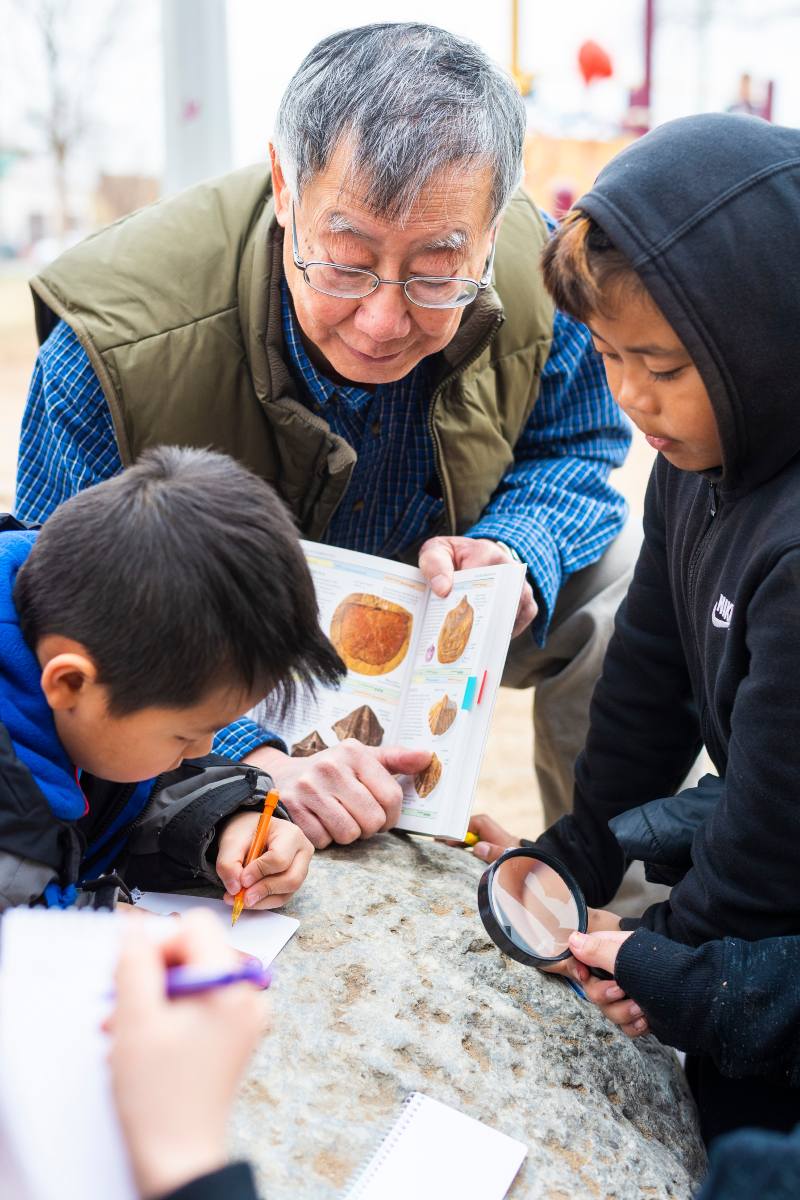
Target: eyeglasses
{"points": [[353, 283]]}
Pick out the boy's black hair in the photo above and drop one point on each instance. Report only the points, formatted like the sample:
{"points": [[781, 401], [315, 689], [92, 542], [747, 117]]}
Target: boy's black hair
{"points": [[179, 575], [583, 270]]}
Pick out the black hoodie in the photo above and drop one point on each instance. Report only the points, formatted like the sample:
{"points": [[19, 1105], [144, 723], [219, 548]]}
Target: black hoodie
{"points": [[707, 643]]}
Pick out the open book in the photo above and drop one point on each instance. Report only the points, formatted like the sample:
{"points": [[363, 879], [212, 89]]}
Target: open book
{"points": [[422, 672]]}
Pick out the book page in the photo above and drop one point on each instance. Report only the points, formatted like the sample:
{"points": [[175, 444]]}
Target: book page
{"points": [[456, 672], [370, 608]]}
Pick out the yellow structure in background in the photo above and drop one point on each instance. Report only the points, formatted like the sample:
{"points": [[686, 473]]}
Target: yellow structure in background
{"points": [[523, 81]]}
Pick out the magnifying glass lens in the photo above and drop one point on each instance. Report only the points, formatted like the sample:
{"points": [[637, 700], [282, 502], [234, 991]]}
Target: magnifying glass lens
{"points": [[534, 906]]}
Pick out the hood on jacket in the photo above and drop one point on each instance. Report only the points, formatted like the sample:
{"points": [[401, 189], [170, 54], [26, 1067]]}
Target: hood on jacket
{"points": [[24, 710], [707, 210]]}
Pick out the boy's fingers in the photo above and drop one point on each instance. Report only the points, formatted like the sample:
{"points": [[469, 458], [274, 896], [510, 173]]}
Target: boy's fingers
{"points": [[494, 839], [636, 1028], [285, 884], [198, 940], [272, 862], [230, 875], [233, 847], [596, 949], [488, 851], [278, 860], [602, 991], [623, 1012], [139, 977]]}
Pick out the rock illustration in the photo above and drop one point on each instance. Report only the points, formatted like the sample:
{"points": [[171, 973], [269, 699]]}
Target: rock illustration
{"points": [[441, 715], [312, 743], [455, 631], [426, 780], [371, 634], [391, 986], [361, 724]]}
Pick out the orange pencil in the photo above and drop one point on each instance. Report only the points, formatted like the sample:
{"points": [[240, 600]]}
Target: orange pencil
{"points": [[256, 846]]}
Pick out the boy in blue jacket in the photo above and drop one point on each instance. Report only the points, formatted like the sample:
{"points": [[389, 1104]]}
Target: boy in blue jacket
{"points": [[149, 612], [683, 261]]}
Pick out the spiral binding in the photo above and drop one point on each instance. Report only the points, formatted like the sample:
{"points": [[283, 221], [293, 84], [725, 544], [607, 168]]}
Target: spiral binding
{"points": [[371, 1169]]}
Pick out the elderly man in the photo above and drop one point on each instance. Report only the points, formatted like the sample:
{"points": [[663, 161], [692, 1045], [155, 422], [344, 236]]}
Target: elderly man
{"points": [[364, 326]]}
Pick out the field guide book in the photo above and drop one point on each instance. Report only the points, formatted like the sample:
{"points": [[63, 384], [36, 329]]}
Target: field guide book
{"points": [[421, 672]]}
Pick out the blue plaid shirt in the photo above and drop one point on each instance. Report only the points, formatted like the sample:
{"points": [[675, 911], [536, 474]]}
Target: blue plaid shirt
{"points": [[555, 506]]}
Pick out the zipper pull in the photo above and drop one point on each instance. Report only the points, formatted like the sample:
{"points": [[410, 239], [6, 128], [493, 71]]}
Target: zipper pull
{"points": [[713, 499]]}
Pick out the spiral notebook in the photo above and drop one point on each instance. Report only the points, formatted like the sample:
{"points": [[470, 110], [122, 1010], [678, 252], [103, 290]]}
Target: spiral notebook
{"points": [[433, 1151]]}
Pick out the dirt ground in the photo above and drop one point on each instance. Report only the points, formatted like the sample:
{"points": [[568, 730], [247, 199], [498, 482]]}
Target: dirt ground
{"points": [[506, 788]]}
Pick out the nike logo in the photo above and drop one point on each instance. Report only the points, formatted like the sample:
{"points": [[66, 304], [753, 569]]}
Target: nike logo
{"points": [[722, 612]]}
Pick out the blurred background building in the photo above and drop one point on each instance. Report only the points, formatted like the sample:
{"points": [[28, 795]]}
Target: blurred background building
{"points": [[104, 104], [107, 104]]}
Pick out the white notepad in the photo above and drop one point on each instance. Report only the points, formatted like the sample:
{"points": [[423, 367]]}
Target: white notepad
{"points": [[433, 1151], [59, 1122], [59, 1134], [262, 934]]}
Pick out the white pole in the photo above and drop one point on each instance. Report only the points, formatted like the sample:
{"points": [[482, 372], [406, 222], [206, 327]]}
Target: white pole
{"points": [[196, 99]]}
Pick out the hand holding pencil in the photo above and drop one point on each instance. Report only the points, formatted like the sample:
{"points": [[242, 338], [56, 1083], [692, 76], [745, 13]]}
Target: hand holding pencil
{"points": [[262, 861], [257, 846]]}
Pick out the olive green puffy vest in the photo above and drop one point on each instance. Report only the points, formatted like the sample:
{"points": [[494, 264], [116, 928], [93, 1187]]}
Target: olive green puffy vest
{"points": [[178, 308]]}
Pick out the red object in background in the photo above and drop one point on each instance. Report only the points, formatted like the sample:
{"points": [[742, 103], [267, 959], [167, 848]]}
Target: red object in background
{"points": [[594, 62], [563, 199]]}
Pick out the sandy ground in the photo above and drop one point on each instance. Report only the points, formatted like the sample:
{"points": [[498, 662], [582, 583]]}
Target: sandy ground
{"points": [[506, 788]]}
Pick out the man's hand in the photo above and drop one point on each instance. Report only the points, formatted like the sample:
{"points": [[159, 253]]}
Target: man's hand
{"points": [[439, 557], [271, 880], [599, 948], [345, 793]]}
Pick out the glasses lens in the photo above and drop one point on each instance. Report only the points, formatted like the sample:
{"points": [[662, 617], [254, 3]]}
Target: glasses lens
{"points": [[347, 283], [440, 293], [534, 906]]}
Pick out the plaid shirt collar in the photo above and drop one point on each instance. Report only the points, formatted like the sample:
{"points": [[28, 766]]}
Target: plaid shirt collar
{"points": [[320, 389]]}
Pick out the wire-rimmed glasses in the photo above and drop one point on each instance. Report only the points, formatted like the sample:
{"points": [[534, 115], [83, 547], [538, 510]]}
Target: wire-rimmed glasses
{"points": [[356, 283]]}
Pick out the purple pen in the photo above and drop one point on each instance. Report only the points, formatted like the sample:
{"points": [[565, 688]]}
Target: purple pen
{"points": [[191, 981]]}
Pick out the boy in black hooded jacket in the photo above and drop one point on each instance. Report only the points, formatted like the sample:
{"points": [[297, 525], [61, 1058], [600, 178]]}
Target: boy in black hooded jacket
{"points": [[683, 260]]}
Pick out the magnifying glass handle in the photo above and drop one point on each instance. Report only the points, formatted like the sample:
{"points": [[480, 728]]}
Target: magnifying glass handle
{"points": [[599, 973]]}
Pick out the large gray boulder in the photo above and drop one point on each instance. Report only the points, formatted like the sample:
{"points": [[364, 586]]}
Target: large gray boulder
{"points": [[392, 986]]}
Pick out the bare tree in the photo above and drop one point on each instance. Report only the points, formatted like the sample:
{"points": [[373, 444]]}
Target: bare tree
{"points": [[71, 41]]}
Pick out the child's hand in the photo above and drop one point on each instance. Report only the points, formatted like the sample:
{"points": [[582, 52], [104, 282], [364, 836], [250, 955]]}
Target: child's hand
{"points": [[269, 881], [494, 840], [176, 1064], [599, 949]]}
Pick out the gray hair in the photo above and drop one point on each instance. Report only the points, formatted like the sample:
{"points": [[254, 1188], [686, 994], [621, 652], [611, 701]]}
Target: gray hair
{"points": [[412, 100]]}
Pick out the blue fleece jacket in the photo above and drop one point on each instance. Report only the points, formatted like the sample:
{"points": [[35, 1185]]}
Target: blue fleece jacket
{"points": [[25, 713]]}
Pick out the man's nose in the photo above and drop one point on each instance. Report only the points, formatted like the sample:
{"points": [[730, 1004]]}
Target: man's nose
{"points": [[383, 316]]}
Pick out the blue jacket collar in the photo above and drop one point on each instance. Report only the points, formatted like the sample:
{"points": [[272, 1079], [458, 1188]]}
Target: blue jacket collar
{"points": [[23, 708]]}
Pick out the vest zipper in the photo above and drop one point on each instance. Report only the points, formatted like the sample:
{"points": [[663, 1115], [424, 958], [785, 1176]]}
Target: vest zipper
{"points": [[454, 374]]}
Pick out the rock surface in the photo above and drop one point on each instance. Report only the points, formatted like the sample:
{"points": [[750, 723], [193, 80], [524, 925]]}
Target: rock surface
{"points": [[391, 986]]}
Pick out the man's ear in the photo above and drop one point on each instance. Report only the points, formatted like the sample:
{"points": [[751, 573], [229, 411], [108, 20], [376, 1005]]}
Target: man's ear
{"points": [[280, 189], [65, 677]]}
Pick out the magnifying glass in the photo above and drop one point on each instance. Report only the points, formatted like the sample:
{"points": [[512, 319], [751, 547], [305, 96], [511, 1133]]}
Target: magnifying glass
{"points": [[530, 904]]}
